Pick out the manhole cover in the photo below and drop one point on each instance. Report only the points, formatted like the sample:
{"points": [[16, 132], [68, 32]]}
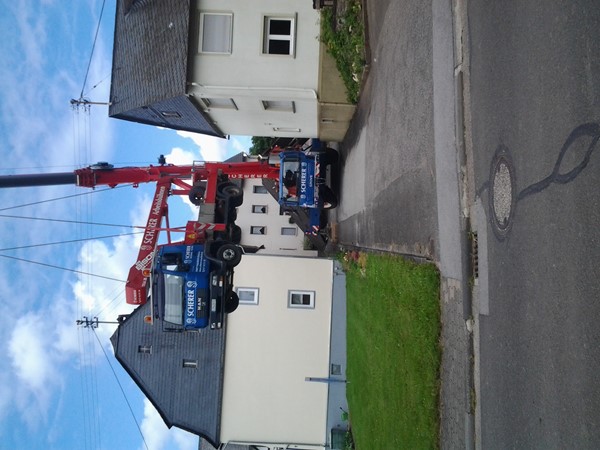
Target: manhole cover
{"points": [[502, 183]]}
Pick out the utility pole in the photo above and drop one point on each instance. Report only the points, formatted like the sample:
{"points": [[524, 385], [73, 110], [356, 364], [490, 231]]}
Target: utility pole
{"points": [[91, 323], [85, 103]]}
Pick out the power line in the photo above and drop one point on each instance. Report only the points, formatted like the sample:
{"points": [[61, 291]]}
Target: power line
{"points": [[92, 53], [63, 198], [78, 222], [122, 390], [70, 241], [62, 268]]}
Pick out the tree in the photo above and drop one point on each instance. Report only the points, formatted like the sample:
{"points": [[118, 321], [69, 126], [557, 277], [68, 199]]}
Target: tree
{"points": [[260, 144]]}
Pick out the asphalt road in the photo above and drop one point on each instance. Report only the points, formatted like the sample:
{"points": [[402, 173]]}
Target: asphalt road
{"points": [[399, 187], [531, 108], [535, 109]]}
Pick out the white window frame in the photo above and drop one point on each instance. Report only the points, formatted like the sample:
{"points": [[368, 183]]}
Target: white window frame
{"points": [[146, 349], [218, 103], [279, 37], [287, 130], [310, 305], [260, 209], [254, 229], [279, 105], [292, 231], [254, 291], [189, 364], [259, 189], [227, 48]]}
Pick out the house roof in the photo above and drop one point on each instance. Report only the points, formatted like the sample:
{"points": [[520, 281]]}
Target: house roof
{"points": [[186, 397], [150, 59]]}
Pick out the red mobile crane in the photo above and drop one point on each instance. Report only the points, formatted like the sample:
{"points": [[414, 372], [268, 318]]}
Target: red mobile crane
{"points": [[192, 281], [207, 184]]}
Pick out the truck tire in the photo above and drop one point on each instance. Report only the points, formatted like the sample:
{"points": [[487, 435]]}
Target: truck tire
{"points": [[330, 156], [230, 254], [231, 302], [328, 197], [196, 195], [236, 234], [229, 191]]}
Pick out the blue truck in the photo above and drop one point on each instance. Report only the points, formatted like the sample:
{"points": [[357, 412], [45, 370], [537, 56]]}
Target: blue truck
{"points": [[192, 284], [303, 184]]}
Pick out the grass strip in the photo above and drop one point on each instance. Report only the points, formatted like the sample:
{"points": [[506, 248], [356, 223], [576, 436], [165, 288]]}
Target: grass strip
{"points": [[344, 38], [393, 352]]}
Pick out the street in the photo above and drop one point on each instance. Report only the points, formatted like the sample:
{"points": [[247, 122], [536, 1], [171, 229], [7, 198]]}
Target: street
{"points": [[535, 99], [480, 122]]}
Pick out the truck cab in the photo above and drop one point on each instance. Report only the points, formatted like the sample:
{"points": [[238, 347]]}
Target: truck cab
{"points": [[191, 288], [302, 181]]}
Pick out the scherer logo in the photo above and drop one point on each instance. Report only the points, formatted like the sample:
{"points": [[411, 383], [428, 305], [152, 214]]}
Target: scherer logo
{"points": [[191, 304], [303, 178]]}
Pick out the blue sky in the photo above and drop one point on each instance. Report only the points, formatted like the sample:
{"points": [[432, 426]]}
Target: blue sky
{"points": [[57, 389]]}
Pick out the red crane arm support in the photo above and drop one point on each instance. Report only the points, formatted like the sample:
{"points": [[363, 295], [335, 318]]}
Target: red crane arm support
{"points": [[135, 289]]}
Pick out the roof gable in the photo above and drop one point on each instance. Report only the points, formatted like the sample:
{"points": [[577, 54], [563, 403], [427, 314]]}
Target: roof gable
{"points": [[188, 397], [150, 58]]}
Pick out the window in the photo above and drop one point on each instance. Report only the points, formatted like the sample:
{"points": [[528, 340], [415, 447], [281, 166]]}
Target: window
{"points": [[215, 32], [278, 36], [145, 349], [171, 114], [248, 296], [223, 103], [258, 230], [301, 299], [289, 231], [173, 299], [259, 209], [259, 189], [287, 130], [190, 363], [279, 105]]}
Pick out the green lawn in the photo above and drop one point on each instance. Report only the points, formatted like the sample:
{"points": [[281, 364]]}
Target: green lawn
{"points": [[393, 352]]}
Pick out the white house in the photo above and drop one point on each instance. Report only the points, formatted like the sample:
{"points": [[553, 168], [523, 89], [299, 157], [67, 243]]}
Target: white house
{"points": [[285, 363], [223, 67], [274, 377], [264, 224]]}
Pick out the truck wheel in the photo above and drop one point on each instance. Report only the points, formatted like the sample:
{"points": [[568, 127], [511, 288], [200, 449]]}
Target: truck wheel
{"points": [[196, 195], [330, 156], [231, 302], [236, 234], [234, 194], [328, 197], [230, 253]]}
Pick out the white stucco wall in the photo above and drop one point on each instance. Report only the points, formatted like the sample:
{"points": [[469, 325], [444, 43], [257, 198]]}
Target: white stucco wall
{"points": [[274, 241], [248, 76], [272, 348]]}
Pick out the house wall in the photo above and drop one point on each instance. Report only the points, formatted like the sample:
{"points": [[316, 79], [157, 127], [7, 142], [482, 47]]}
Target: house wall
{"points": [[271, 349], [293, 78], [273, 239]]}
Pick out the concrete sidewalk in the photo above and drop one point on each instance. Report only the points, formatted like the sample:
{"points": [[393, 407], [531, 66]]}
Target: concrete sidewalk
{"points": [[403, 187]]}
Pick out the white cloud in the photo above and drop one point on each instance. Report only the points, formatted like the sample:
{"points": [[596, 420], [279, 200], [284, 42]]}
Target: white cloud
{"points": [[27, 346], [158, 436], [211, 148], [180, 157]]}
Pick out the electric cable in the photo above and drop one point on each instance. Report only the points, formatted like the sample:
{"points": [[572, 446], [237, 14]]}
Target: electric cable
{"points": [[63, 268], [122, 390], [92, 52], [70, 241]]}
